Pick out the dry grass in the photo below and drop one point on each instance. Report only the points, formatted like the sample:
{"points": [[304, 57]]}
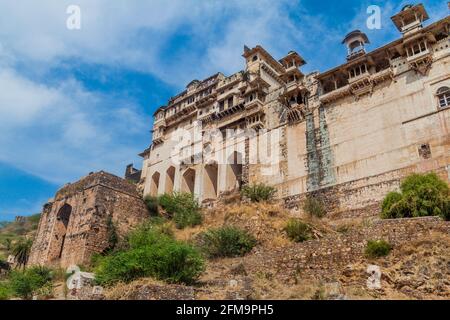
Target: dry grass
{"points": [[264, 220], [123, 290]]}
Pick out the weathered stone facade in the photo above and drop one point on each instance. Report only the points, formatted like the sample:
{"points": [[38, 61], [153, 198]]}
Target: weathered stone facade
{"points": [[349, 134], [83, 217]]}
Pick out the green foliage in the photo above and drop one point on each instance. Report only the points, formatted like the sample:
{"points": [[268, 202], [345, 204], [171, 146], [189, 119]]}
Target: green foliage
{"points": [[152, 204], [314, 207], [389, 201], [113, 238], [378, 248], [21, 251], [151, 253], [25, 283], [297, 230], [226, 242], [5, 291], [258, 192], [183, 208], [421, 195], [7, 243]]}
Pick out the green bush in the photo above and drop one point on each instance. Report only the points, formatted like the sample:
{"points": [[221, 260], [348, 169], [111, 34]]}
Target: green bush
{"points": [[24, 284], [226, 242], [152, 204], [183, 208], [258, 192], [421, 195], [154, 254], [5, 291], [314, 207], [378, 248], [297, 230]]}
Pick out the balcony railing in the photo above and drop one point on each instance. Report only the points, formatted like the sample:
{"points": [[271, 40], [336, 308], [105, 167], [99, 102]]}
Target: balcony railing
{"points": [[418, 56]]}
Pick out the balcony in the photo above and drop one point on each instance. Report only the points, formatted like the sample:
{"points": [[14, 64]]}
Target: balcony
{"points": [[158, 138], [230, 111], [160, 122], [413, 26], [362, 77], [335, 94], [296, 113], [254, 104], [421, 62], [255, 121], [418, 56]]}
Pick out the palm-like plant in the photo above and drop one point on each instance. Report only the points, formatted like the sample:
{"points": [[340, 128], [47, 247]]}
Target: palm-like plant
{"points": [[21, 251], [8, 244]]}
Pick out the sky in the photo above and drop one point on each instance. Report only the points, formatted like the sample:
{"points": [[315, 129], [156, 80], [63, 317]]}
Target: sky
{"points": [[79, 101]]}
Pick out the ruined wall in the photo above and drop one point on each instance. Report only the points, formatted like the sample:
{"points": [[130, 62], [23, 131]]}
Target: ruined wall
{"points": [[328, 257], [96, 206]]}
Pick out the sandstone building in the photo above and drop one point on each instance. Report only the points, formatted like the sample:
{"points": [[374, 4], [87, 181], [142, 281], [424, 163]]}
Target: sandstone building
{"points": [[348, 134], [83, 217]]}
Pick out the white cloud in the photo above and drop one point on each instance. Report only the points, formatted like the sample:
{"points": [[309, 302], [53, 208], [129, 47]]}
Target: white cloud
{"points": [[61, 133], [135, 33]]}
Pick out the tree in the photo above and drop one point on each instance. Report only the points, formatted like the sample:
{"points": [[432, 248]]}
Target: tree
{"points": [[21, 251]]}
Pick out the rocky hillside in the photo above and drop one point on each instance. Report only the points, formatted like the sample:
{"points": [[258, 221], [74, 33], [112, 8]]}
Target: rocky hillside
{"points": [[331, 265], [11, 232]]}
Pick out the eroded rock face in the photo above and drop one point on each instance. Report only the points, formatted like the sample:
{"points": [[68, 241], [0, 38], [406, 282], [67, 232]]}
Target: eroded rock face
{"points": [[83, 219]]}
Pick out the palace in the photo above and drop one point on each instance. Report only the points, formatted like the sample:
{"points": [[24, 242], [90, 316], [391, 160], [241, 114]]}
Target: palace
{"points": [[348, 135]]}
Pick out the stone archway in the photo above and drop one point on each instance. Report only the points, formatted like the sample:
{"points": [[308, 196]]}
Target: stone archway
{"points": [[188, 181], [170, 180], [234, 171], [59, 232], [210, 178], [154, 184]]}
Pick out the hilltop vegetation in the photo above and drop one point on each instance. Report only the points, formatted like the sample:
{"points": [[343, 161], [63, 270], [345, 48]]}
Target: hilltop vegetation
{"points": [[13, 232]]}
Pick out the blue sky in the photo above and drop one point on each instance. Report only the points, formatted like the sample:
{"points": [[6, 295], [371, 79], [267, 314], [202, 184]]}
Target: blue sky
{"points": [[76, 101]]}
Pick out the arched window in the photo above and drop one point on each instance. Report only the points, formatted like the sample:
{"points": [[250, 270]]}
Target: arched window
{"points": [[443, 95]]}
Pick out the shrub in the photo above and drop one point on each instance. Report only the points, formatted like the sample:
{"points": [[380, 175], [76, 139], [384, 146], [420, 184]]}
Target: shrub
{"points": [[21, 251], [298, 231], [378, 248], [151, 254], [226, 242], [314, 207], [392, 199], [5, 291], [258, 192], [113, 237], [26, 283], [152, 205], [421, 195], [183, 208]]}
